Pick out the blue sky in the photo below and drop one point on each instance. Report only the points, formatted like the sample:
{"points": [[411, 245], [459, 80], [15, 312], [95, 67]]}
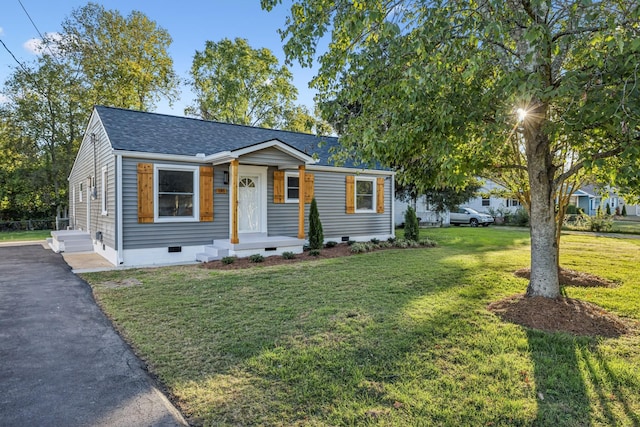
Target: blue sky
{"points": [[189, 22]]}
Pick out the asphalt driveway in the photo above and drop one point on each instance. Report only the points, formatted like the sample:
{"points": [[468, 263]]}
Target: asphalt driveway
{"points": [[61, 362]]}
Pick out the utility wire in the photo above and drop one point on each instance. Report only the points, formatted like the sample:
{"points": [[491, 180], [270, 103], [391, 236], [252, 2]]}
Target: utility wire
{"points": [[44, 41]]}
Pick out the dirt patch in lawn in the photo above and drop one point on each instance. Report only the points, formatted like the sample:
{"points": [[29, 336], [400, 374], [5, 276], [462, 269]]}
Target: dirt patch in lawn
{"points": [[560, 315], [340, 250]]}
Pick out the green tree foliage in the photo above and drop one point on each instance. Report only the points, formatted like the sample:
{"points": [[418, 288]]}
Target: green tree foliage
{"points": [[235, 83], [411, 225], [536, 95], [624, 210], [124, 60], [608, 209], [316, 236], [43, 124]]}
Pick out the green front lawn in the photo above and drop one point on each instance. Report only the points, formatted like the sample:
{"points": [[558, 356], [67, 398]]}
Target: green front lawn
{"points": [[15, 236], [399, 337]]}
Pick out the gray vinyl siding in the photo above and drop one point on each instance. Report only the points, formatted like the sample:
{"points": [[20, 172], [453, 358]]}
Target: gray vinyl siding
{"points": [[268, 156], [330, 195], [156, 235], [85, 167]]}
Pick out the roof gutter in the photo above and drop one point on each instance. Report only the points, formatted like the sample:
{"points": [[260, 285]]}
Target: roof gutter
{"points": [[216, 158]]}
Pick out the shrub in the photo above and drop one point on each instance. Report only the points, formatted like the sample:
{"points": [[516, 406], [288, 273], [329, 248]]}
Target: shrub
{"points": [[288, 255], [519, 218], [314, 252], [228, 260], [316, 237], [256, 258], [411, 225], [358, 248], [391, 239], [351, 242], [607, 210], [572, 210], [427, 243], [375, 241], [331, 244], [624, 210]]}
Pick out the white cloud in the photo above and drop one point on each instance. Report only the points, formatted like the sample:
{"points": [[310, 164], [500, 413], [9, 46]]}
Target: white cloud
{"points": [[38, 46], [1, 31]]}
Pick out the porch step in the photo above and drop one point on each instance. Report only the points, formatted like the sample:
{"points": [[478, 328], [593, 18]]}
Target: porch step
{"points": [[211, 253], [70, 241]]}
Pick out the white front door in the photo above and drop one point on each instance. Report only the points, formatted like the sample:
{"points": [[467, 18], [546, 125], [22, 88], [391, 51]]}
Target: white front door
{"points": [[249, 211], [252, 200]]}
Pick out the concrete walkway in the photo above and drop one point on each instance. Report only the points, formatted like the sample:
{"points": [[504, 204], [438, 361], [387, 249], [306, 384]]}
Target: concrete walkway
{"points": [[61, 362]]}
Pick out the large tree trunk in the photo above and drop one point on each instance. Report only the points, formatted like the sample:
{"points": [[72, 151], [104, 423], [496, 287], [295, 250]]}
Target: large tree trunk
{"points": [[544, 252]]}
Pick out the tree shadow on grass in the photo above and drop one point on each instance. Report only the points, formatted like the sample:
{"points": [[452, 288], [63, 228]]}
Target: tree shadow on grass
{"points": [[577, 385]]}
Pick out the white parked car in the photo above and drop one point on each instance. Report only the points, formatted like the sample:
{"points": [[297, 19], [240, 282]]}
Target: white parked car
{"points": [[471, 217]]}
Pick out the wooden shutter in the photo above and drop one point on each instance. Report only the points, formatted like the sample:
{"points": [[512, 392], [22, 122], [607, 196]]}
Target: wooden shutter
{"points": [[351, 191], [206, 193], [308, 187], [145, 192], [278, 186], [380, 195]]}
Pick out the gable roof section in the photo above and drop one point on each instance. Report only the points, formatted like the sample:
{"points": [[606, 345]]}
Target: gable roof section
{"points": [[138, 131]]}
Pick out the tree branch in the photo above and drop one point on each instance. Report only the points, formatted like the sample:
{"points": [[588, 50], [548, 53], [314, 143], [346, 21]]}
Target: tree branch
{"points": [[575, 168]]}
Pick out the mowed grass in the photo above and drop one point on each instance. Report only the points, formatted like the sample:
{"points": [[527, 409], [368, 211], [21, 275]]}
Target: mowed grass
{"points": [[398, 337], [13, 236]]}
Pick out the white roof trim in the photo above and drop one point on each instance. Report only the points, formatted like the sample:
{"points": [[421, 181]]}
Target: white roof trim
{"points": [[274, 143]]}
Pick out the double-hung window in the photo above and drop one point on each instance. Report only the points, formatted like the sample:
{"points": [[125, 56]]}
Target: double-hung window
{"points": [[292, 187], [176, 193], [365, 194]]}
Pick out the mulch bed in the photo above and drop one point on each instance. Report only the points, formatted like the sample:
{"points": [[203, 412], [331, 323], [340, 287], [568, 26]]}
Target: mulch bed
{"points": [[340, 250], [559, 315], [570, 277], [562, 314]]}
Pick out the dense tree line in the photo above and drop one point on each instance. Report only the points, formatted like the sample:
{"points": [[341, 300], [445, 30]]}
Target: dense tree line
{"points": [[104, 58]]}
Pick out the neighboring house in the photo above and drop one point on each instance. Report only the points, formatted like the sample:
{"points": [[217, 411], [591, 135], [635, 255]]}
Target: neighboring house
{"points": [[590, 197], [148, 188], [481, 204]]}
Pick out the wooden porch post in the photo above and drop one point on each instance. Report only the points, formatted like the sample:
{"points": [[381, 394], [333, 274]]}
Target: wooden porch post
{"points": [[301, 202], [234, 202]]}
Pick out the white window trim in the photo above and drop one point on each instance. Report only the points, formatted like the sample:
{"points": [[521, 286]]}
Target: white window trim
{"points": [[196, 193], [103, 191], [80, 192], [286, 187], [373, 195]]}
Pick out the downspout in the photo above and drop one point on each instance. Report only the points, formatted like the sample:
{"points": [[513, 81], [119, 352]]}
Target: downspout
{"points": [[118, 179]]}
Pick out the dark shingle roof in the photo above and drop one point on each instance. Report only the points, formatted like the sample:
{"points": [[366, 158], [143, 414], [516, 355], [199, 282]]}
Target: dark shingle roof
{"points": [[131, 130]]}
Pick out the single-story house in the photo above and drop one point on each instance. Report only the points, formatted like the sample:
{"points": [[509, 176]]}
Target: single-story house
{"points": [[150, 188]]}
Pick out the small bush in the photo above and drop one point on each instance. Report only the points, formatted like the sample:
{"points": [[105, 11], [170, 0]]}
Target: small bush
{"points": [[624, 210], [607, 209], [391, 239], [427, 243], [316, 236], [288, 255], [228, 260], [314, 252], [411, 225], [601, 223], [572, 210], [375, 241], [351, 242], [256, 258], [358, 248], [519, 218], [331, 244], [402, 243], [385, 245]]}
